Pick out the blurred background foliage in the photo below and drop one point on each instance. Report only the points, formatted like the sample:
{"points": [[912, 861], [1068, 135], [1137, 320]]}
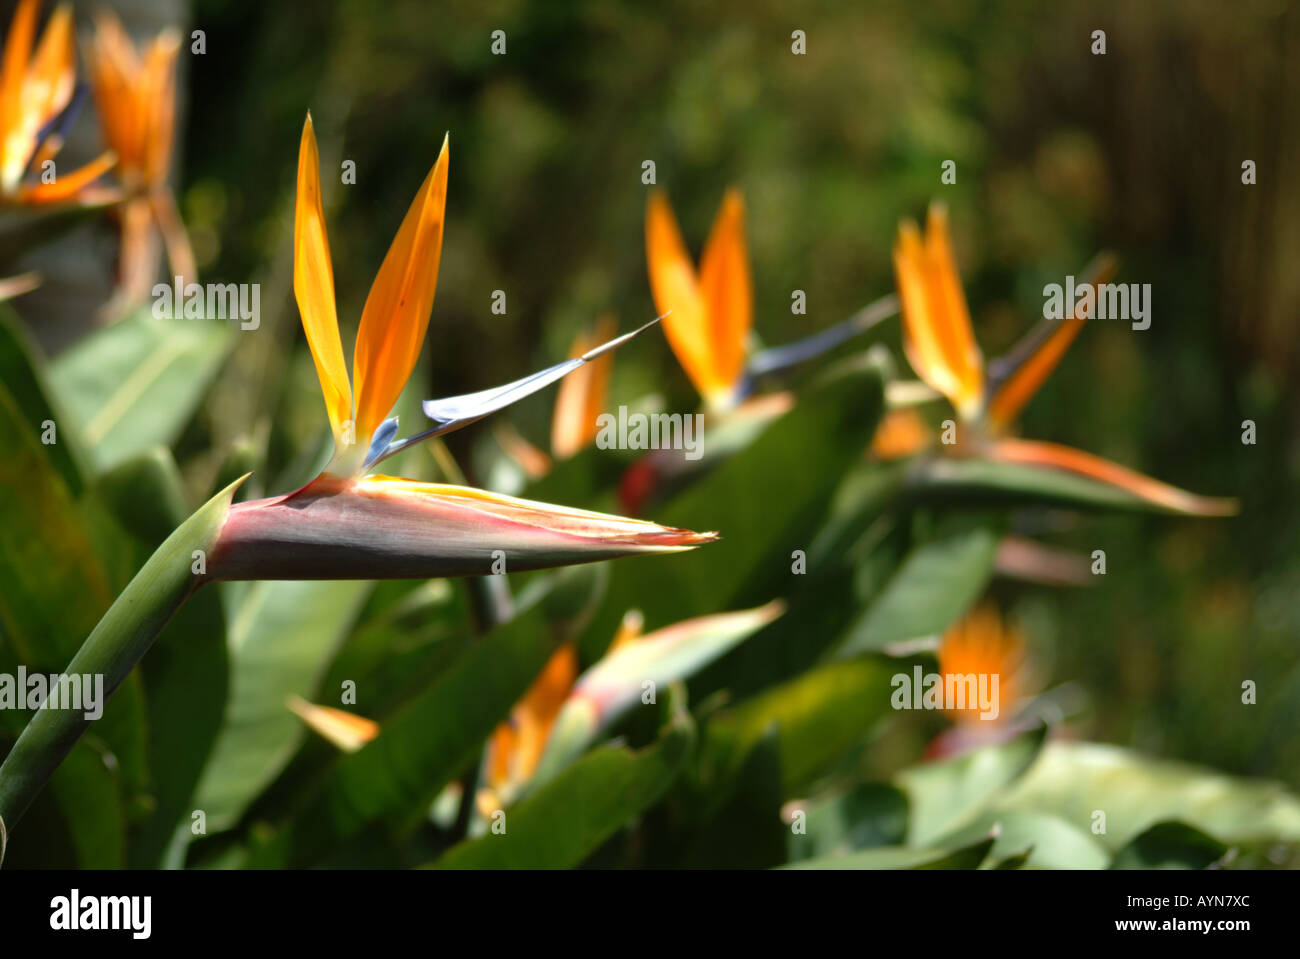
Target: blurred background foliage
{"points": [[1059, 153]]}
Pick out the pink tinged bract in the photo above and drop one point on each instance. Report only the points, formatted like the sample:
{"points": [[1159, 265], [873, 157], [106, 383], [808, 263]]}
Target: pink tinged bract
{"points": [[378, 527]]}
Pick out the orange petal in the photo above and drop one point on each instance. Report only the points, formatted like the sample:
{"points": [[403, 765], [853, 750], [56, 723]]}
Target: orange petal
{"points": [[347, 731], [17, 51], [313, 287], [630, 629], [526, 456], [937, 333], [396, 313], [501, 754], [581, 397], [980, 644], [678, 296], [130, 94], [516, 745], [1055, 456], [1030, 375], [113, 70], [116, 44], [727, 289], [901, 433], [66, 185], [535, 714], [51, 75], [158, 91], [15, 139]]}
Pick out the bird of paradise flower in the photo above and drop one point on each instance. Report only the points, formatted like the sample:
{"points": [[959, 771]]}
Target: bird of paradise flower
{"points": [[350, 522], [135, 93], [38, 100], [940, 346], [710, 311], [709, 318], [563, 711]]}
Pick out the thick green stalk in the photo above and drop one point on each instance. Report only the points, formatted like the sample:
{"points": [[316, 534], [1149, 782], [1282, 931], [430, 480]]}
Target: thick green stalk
{"points": [[112, 650]]}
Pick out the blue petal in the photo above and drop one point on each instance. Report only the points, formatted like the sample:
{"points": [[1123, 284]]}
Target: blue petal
{"points": [[379, 443], [780, 358], [453, 412], [1005, 366], [59, 124]]}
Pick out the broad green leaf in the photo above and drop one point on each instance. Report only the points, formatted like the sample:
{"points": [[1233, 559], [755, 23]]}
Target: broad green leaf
{"points": [[281, 641], [395, 653], [430, 740], [871, 815], [400, 654], [78, 821], [803, 453], [938, 581], [818, 717], [1041, 840], [24, 378], [56, 584], [135, 385], [1170, 845], [946, 795], [823, 598], [906, 857], [862, 496], [1076, 781], [743, 830], [1017, 860], [91, 804], [567, 819]]}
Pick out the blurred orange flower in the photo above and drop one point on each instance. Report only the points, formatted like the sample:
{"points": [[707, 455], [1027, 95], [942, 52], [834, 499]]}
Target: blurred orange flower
{"points": [[135, 92], [36, 95], [981, 645], [941, 347], [708, 314]]}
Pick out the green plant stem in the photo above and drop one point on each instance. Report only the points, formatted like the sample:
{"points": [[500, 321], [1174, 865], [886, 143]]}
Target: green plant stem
{"points": [[112, 650]]}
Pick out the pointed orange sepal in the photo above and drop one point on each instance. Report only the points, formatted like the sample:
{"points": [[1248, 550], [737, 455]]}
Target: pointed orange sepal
{"points": [[313, 287], [582, 394], [679, 296], [937, 335], [396, 314], [1056, 456], [1033, 370]]}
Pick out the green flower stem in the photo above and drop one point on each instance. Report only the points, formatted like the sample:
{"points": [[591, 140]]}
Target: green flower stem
{"points": [[112, 650]]}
